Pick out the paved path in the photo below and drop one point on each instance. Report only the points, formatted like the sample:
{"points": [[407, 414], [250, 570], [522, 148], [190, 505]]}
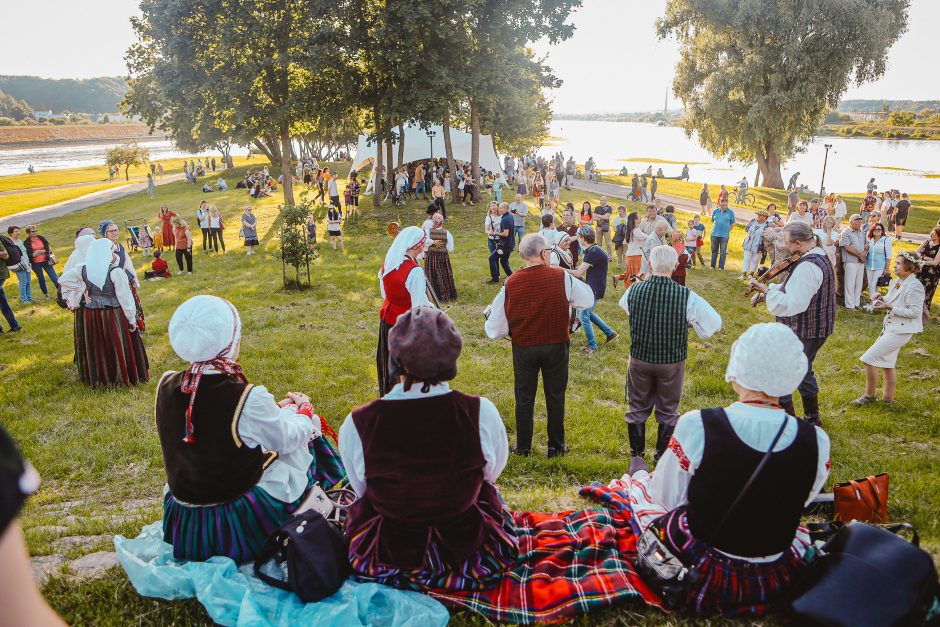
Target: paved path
{"points": [[742, 214], [40, 214], [64, 186]]}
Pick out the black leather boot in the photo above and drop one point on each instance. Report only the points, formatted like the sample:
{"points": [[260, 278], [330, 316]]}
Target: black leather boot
{"points": [[663, 435], [789, 407], [637, 433], [811, 410]]}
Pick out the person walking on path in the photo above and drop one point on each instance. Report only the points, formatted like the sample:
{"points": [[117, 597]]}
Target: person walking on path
{"points": [[534, 309], [661, 312], [904, 303], [151, 186], [593, 270], [722, 223], [41, 258], [22, 270]]}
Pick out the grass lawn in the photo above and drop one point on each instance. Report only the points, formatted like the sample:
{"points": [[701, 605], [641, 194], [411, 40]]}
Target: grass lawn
{"points": [[99, 454], [925, 210]]}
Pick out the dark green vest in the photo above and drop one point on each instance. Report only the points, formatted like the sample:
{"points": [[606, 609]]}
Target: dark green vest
{"points": [[659, 326]]}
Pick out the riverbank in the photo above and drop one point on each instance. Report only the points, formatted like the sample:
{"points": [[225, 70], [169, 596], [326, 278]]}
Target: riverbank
{"points": [[880, 131], [50, 135]]}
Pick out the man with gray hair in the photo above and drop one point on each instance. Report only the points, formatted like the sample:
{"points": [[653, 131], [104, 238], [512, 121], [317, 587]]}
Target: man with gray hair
{"points": [[656, 239], [534, 308], [661, 312]]}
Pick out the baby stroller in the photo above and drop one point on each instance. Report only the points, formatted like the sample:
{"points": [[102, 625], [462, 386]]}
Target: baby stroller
{"points": [[139, 234]]}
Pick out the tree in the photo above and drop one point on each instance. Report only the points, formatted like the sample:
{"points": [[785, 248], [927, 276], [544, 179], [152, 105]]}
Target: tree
{"points": [[902, 118], [126, 156], [756, 77]]}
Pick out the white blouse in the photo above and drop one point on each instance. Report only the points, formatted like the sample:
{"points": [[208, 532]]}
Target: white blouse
{"points": [[73, 290], [493, 439]]}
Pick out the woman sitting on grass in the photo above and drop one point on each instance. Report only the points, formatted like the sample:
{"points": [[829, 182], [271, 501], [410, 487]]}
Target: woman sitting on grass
{"points": [[238, 464], [437, 521], [743, 558]]}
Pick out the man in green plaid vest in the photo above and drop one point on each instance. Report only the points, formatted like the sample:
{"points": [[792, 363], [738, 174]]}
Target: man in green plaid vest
{"points": [[660, 313]]}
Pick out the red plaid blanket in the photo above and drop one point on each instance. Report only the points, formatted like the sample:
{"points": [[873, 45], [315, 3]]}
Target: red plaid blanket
{"points": [[569, 563]]}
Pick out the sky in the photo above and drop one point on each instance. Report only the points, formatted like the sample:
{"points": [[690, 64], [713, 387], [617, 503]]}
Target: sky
{"points": [[613, 63]]}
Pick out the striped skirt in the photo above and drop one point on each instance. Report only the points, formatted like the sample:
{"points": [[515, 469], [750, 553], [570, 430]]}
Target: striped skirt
{"points": [[498, 553], [106, 351], [440, 274], [238, 529]]}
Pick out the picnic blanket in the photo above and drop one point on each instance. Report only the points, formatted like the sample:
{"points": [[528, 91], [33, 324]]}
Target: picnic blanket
{"points": [[233, 595], [569, 563]]}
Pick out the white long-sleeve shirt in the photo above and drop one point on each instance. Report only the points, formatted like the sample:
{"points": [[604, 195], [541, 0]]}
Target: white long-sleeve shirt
{"points": [[579, 294], [635, 245], [73, 290], [803, 283], [493, 439], [702, 316], [416, 284]]}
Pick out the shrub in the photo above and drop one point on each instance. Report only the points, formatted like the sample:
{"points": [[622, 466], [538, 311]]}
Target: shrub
{"points": [[7, 121]]}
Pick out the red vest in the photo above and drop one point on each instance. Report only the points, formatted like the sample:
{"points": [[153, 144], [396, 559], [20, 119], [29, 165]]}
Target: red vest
{"points": [[536, 306], [397, 298]]}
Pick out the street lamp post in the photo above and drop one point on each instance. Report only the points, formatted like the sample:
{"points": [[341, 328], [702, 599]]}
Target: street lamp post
{"points": [[822, 183], [431, 135]]}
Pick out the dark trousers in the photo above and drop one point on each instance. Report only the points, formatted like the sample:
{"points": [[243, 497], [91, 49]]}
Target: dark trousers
{"points": [[205, 240], [46, 267], [809, 386], [440, 204], [215, 239], [719, 246], [188, 254], [7, 311], [497, 260], [552, 361]]}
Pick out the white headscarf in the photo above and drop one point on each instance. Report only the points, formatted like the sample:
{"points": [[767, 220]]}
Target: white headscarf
{"points": [[408, 238], [203, 327], [98, 261], [77, 258], [767, 358]]}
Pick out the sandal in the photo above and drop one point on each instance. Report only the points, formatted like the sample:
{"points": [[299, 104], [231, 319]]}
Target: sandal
{"points": [[864, 400]]}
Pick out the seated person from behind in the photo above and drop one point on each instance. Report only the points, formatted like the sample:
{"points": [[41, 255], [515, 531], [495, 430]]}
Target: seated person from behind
{"points": [[437, 520], [221, 185], [238, 464], [206, 188], [744, 565], [158, 269]]}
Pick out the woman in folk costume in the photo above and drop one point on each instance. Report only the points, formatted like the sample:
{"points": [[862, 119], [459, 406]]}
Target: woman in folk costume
{"points": [[238, 464], [437, 260], [110, 231], [83, 240], [108, 345], [403, 285], [437, 521], [746, 556]]}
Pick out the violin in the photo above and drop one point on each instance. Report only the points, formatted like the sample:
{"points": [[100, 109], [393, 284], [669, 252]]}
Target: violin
{"points": [[768, 275]]}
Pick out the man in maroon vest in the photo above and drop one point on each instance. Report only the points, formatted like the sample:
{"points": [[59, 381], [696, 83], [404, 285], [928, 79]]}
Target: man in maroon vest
{"points": [[534, 308], [403, 285], [424, 459]]}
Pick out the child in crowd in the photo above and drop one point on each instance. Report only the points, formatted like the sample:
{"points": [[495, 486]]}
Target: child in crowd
{"points": [[157, 239], [700, 242], [678, 244], [691, 242], [145, 240], [158, 269]]}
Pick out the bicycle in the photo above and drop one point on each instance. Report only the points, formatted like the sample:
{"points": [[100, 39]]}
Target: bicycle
{"points": [[595, 176], [744, 197]]}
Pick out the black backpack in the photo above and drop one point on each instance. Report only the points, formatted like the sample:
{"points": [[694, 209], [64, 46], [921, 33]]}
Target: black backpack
{"points": [[315, 552], [15, 254]]}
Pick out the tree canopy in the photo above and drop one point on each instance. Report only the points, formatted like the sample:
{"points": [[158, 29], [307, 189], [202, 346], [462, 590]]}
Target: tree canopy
{"points": [[126, 156], [757, 76]]}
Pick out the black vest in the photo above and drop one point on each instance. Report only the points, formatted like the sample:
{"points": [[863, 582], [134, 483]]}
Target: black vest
{"points": [[819, 319], [765, 520], [217, 467], [100, 298]]}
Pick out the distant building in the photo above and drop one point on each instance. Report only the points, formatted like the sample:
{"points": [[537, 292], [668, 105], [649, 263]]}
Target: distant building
{"points": [[39, 115]]}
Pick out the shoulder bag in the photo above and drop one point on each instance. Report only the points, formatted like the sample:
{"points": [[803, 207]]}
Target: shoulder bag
{"points": [[662, 570], [865, 500]]}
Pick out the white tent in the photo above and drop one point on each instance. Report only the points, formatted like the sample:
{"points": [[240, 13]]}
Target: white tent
{"points": [[418, 147]]}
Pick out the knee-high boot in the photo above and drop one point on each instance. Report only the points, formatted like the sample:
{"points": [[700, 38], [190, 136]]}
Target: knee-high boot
{"points": [[663, 435], [811, 410], [789, 407], [637, 433]]}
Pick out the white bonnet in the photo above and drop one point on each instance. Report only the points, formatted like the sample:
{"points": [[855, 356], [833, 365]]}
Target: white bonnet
{"points": [[767, 358], [203, 327]]}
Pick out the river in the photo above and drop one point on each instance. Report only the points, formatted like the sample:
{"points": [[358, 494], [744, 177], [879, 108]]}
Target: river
{"points": [[852, 161]]}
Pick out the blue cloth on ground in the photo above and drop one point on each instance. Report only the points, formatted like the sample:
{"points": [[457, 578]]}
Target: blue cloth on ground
{"points": [[232, 595]]}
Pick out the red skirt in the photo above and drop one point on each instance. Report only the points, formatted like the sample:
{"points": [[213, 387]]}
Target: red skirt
{"points": [[106, 351]]}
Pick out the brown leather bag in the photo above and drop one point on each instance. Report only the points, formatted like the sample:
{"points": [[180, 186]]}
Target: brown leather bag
{"points": [[865, 500]]}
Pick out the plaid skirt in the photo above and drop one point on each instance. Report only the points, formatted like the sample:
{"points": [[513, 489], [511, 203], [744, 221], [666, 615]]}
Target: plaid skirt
{"points": [[106, 351], [726, 585], [440, 274], [238, 529]]}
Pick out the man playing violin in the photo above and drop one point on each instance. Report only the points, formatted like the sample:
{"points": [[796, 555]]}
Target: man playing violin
{"points": [[805, 302]]}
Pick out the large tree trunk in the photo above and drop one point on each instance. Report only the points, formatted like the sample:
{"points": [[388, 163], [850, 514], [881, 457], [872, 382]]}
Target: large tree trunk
{"points": [[475, 150], [768, 162], [377, 192], [260, 145], [287, 174], [449, 151], [757, 178], [401, 144]]}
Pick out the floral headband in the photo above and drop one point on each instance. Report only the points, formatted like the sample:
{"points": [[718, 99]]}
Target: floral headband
{"points": [[911, 258]]}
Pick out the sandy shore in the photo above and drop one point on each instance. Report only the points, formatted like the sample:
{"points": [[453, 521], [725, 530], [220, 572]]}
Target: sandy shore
{"points": [[38, 136]]}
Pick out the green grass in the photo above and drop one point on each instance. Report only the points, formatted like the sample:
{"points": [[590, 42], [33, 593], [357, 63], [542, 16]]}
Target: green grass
{"points": [[101, 447], [14, 203], [654, 160], [923, 215]]}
